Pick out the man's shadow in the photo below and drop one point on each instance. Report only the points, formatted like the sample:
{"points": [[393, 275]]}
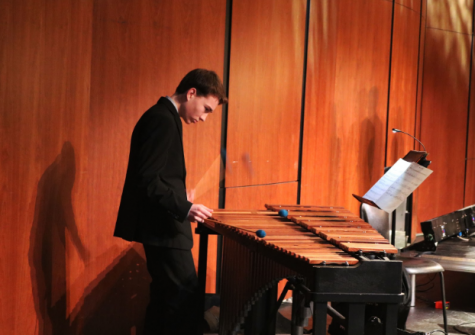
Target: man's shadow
{"points": [[47, 254], [115, 302]]}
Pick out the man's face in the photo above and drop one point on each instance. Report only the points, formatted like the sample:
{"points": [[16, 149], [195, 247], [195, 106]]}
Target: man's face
{"points": [[197, 108]]}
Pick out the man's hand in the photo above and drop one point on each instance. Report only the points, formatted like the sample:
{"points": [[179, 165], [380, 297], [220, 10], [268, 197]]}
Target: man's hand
{"points": [[199, 212]]}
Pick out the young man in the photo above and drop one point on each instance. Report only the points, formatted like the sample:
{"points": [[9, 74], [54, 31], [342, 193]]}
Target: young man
{"points": [[155, 209]]}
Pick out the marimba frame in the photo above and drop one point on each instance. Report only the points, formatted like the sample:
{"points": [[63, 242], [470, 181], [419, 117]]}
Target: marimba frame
{"points": [[323, 279]]}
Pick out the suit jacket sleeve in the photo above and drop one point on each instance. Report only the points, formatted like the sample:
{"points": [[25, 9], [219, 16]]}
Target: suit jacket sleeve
{"points": [[159, 141]]}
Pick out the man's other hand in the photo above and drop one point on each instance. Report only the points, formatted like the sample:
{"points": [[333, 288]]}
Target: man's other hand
{"points": [[199, 212]]}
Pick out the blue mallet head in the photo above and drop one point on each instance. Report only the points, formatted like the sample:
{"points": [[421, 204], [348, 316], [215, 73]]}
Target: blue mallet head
{"points": [[261, 233], [283, 213]]}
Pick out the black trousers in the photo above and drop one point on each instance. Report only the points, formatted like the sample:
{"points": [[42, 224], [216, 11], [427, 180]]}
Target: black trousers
{"points": [[174, 296]]}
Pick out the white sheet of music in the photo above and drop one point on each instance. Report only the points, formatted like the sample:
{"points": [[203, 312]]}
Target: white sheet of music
{"points": [[397, 184]]}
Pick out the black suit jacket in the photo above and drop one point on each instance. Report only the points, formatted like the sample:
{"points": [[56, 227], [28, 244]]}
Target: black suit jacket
{"points": [[153, 208]]}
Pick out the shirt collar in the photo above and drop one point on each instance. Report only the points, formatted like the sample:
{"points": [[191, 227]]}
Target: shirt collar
{"points": [[173, 102]]}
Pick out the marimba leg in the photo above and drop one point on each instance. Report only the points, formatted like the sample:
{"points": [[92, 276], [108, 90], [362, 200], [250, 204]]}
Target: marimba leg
{"points": [[390, 324], [319, 318], [356, 318], [202, 265], [298, 317]]}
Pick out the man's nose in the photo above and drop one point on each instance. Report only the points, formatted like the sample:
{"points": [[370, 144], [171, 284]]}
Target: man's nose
{"points": [[203, 117]]}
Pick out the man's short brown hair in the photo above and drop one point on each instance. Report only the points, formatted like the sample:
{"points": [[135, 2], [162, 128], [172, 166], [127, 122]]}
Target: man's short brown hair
{"points": [[206, 83]]}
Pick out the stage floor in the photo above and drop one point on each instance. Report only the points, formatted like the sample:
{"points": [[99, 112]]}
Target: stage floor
{"points": [[422, 318]]}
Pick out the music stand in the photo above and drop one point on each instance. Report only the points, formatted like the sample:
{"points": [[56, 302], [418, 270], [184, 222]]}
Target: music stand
{"points": [[394, 191]]}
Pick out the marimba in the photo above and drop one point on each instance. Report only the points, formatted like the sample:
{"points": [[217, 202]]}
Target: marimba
{"points": [[330, 254]]}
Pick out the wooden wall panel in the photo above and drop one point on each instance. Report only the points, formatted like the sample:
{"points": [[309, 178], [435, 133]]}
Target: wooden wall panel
{"points": [[471, 117], [45, 67], [450, 15], [416, 227], [19, 98], [346, 100], [469, 198], [404, 75], [469, 183], [414, 5], [140, 61], [74, 78], [443, 121], [265, 91], [255, 197]]}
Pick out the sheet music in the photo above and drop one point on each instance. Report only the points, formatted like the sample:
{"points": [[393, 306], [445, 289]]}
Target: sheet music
{"points": [[397, 184]]}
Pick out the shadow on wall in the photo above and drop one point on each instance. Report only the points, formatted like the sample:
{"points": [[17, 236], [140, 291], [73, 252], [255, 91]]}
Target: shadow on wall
{"points": [[367, 144], [115, 302]]}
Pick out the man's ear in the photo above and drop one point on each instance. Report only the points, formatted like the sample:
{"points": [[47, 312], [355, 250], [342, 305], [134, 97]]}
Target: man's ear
{"points": [[191, 93]]}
